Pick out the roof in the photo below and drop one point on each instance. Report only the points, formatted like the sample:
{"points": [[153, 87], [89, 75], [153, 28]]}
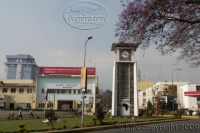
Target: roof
{"points": [[127, 45], [18, 82]]}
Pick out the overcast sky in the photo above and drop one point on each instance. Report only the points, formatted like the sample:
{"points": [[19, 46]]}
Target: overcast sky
{"points": [[37, 27]]}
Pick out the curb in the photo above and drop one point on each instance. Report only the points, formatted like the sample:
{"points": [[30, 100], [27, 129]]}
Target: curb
{"points": [[116, 126]]}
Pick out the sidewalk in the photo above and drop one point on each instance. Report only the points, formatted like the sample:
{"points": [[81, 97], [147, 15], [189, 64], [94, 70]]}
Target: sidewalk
{"points": [[184, 116]]}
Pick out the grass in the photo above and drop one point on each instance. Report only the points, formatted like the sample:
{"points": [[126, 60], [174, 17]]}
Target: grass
{"points": [[38, 125]]}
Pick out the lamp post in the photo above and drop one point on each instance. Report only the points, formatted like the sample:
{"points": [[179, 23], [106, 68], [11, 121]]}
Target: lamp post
{"points": [[83, 96], [172, 73], [45, 95], [174, 100]]}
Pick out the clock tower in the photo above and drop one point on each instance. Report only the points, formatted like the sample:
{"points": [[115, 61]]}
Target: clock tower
{"points": [[124, 87]]}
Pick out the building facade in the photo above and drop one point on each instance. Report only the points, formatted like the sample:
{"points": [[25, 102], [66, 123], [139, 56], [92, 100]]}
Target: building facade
{"points": [[63, 88], [190, 96], [185, 94], [18, 93], [20, 67], [28, 86]]}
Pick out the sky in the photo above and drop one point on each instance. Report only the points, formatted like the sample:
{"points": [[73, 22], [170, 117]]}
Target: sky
{"points": [[37, 27]]}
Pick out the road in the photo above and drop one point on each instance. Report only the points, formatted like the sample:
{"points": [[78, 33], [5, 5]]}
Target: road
{"points": [[191, 126]]}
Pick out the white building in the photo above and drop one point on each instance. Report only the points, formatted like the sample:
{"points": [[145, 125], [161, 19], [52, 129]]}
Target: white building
{"points": [[142, 99], [186, 94], [190, 96]]}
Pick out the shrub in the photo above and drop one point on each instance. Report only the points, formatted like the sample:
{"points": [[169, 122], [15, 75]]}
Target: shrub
{"points": [[21, 128], [108, 115], [75, 126], [100, 115], [190, 112], [149, 113], [37, 117]]}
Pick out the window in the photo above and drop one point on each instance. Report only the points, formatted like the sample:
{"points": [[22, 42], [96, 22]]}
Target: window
{"points": [[70, 91], [41, 105], [58, 91], [50, 90], [63, 91], [49, 105], [198, 88], [88, 91], [79, 91], [79, 105], [74, 91], [42, 91], [144, 100], [87, 106], [198, 100], [4, 90], [21, 90], [13, 90], [144, 93], [29, 90]]}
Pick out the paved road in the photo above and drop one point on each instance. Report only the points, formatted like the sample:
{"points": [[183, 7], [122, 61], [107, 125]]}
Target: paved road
{"points": [[191, 126]]}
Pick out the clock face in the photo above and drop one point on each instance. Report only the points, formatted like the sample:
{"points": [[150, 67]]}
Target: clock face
{"points": [[125, 54]]}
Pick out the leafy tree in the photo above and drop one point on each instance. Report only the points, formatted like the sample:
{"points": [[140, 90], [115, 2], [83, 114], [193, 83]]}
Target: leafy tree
{"points": [[149, 105], [100, 114], [106, 98], [170, 24]]}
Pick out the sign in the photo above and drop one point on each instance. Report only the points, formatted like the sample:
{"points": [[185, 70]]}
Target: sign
{"points": [[84, 79], [45, 95], [91, 100], [192, 93], [172, 90], [65, 70]]}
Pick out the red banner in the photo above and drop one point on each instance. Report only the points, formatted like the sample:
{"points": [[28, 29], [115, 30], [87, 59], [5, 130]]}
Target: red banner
{"points": [[65, 70], [192, 93]]}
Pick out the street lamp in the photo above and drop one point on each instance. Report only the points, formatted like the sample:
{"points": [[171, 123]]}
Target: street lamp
{"points": [[85, 49], [174, 100], [172, 73], [83, 96]]}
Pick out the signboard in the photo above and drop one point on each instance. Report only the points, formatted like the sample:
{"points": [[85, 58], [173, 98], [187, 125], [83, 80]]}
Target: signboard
{"points": [[45, 95], [65, 70], [84, 79], [172, 90], [91, 100], [192, 93]]}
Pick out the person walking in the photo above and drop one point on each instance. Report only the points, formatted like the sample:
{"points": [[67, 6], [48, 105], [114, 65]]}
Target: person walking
{"points": [[20, 114], [199, 113], [12, 115], [31, 114]]}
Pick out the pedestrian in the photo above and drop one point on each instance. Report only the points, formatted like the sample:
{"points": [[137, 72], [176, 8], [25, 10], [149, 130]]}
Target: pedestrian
{"points": [[20, 114], [12, 115], [199, 113], [31, 114]]}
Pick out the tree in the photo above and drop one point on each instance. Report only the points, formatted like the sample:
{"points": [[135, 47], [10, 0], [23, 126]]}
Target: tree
{"points": [[169, 24], [149, 105], [106, 98]]}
